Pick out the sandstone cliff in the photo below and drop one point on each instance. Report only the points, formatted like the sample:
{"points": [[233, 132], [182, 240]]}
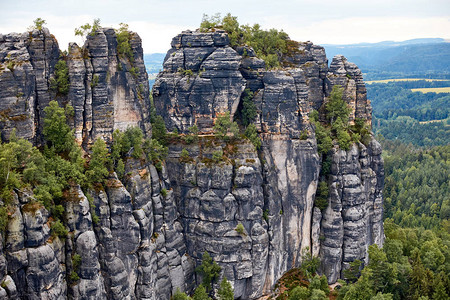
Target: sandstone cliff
{"points": [[154, 226]]}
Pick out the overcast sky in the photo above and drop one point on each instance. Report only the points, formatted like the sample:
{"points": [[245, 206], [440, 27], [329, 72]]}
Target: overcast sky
{"points": [[319, 21]]}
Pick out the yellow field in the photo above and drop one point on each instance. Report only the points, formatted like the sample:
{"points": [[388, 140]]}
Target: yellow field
{"points": [[403, 79], [433, 90]]}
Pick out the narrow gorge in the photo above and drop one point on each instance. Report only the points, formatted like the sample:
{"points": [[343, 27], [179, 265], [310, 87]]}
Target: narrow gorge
{"points": [[153, 225]]}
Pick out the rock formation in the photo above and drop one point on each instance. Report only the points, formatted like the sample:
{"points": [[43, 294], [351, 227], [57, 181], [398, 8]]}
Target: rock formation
{"points": [[154, 227]]}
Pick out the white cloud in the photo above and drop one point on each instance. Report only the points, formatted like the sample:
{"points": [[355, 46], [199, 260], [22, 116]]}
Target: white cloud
{"points": [[374, 29]]}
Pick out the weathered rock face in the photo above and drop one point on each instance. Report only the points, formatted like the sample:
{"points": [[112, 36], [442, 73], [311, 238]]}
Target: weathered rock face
{"points": [[353, 219], [282, 179], [154, 226], [107, 91]]}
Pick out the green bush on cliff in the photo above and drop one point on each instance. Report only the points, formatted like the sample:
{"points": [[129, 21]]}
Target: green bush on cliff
{"points": [[248, 112], [88, 29], [269, 45], [225, 128], [252, 134], [38, 24], [60, 83], [209, 270], [97, 170], [123, 42]]}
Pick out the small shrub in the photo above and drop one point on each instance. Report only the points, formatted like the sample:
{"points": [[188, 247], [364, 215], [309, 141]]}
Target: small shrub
{"points": [[76, 262], [60, 83], [123, 42], [240, 229], [209, 270], [322, 195], [266, 215], [74, 276], [217, 156], [304, 135], [58, 229], [88, 29], [223, 126], [3, 218], [94, 81], [184, 156], [252, 134], [38, 23], [133, 72], [163, 193], [248, 108]]}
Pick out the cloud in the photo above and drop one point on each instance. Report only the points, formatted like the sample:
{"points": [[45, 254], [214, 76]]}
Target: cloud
{"points": [[374, 29]]}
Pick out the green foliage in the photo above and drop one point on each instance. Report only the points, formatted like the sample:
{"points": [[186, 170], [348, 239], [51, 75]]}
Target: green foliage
{"points": [[88, 29], [309, 263], [186, 72], [269, 45], [248, 112], [76, 262], [318, 295], [209, 23], [225, 291], [200, 293], [184, 156], [351, 274], [97, 170], [3, 219], [60, 83], [324, 140], [336, 107], [225, 128], [400, 114], [38, 23], [56, 131], [303, 135], [123, 42], [209, 270], [94, 81], [416, 185], [217, 156], [299, 293], [343, 137], [180, 296], [58, 229], [252, 134], [321, 200], [163, 192], [156, 152], [74, 276], [319, 283], [159, 131], [240, 229], [193, 136]]}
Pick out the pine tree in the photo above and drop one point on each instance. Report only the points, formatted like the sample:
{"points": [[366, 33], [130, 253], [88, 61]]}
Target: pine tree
{"points": [[225, 291]]}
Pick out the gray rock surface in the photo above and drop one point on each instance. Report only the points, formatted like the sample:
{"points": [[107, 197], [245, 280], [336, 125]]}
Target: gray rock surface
{"points": [[152, 227]]}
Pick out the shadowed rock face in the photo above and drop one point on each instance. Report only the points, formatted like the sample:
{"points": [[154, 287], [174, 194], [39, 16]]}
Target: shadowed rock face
{"points": [[154, 226]]}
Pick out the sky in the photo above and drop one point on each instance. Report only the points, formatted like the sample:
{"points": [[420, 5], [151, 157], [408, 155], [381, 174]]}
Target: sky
{"points": [[318, 21]]}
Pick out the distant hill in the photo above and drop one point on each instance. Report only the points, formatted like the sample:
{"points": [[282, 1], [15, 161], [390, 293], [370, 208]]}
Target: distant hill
{"points": [[399, 59], [153, 62], [425, 57]]}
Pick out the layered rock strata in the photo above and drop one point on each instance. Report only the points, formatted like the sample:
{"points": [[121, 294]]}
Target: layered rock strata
{"points": [[154, 226], [106, 90], [186, 95]]}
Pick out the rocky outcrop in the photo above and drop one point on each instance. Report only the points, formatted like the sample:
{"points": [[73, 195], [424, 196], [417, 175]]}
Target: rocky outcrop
{"points": [[283, 178], [353, 219], [142, 237], [107, 91]]}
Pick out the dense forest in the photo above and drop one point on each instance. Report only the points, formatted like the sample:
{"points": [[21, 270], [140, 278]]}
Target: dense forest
{"points": [[421, 119]]}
